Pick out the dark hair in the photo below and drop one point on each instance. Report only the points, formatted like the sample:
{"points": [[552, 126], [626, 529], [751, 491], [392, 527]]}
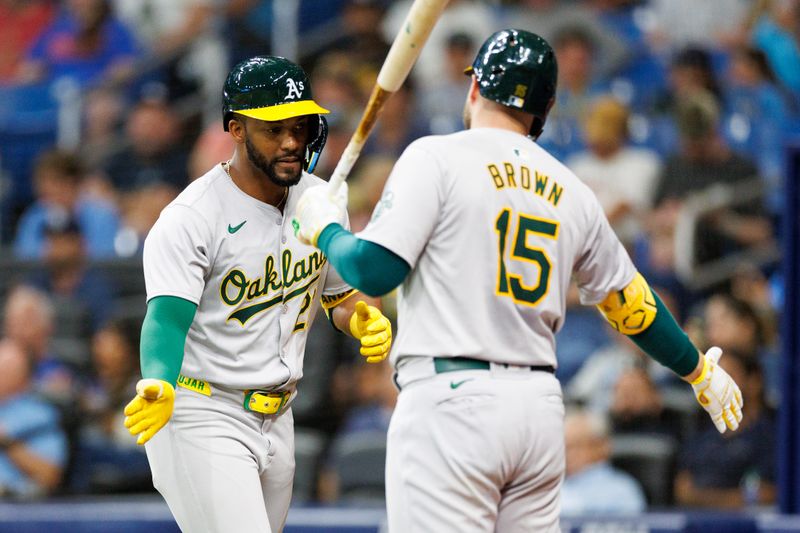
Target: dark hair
{"points": [[63, 163], [759, 60], [573, 34], [699, 59], [743, 311]]}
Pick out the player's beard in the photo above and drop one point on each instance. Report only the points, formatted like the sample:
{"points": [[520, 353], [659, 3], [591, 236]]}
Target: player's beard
{"points": [[267, 166]]}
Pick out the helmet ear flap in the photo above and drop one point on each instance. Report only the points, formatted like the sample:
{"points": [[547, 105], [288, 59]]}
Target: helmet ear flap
{"points": [[315, 146]]}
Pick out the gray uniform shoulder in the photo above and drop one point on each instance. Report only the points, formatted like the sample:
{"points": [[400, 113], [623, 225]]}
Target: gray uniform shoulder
{"points": [[199, 195]]}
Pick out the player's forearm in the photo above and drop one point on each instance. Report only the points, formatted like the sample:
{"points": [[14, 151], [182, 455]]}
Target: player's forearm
{"points": [[367, 266], [667, 343], [164, 331], [43, 472]]}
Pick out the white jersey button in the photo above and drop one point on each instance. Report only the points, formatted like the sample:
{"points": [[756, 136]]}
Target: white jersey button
{"points": [[283, 239], [285, 309]]}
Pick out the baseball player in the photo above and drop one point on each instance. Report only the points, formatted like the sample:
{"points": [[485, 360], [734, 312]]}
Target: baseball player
{"points": [[231, 296], [485, 229]]}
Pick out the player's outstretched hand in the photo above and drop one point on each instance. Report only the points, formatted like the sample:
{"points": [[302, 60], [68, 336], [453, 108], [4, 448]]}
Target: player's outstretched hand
{"points": [[718, 393], [373, 330], [317, 208], [150, 409]]}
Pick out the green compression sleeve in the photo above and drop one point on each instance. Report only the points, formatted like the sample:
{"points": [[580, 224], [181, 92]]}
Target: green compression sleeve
{"points": [[666, 342], [369, 267], [164, 331]]}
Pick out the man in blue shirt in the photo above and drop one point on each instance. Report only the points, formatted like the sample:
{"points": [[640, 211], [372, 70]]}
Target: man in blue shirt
{"points": [[33, 447]]}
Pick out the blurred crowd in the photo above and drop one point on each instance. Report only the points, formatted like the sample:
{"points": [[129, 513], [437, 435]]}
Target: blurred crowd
{"points": [[675, 112]]}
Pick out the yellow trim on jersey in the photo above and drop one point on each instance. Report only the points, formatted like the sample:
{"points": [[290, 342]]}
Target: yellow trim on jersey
{"points": [[631, 310], [274, 113], [196, 385]]}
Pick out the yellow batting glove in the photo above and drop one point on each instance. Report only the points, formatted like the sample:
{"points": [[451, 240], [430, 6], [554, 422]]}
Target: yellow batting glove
{"points": [[718, 393], [373, 330], [150, 409]]}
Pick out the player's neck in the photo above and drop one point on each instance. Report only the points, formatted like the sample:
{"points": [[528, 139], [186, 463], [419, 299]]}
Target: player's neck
{"points": [[492, 118], [253, 183]]}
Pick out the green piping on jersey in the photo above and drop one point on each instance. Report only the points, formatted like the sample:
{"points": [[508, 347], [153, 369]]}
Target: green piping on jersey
{"points": [[164, 331], [369, 267]]}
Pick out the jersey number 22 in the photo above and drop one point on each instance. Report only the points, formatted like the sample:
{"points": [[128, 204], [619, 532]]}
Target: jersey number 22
{"points": [[510, 284]]}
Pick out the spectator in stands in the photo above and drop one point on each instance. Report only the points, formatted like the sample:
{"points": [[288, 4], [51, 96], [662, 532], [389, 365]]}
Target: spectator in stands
{"points": [[622, 177], [758, 118], [154, 154], [21, 23], [674, 24], [58, 178], [776, 34], [637, 407], [103, 112], [140, 210], [471, 17], [33, 448], [548, 18], [399, 126], [85, 43], [106, 459], [705, 160], [735, 469], [692, 72], [732, 324], [577, 86], [29, 321], [442, 103], [591, 484], [183, 42], [66, 277], [359, 33], [375, 397]]}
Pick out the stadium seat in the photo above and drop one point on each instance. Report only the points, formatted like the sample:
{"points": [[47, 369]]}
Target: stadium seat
{"points": [[308, 446], [359, 460], [651, 460]]}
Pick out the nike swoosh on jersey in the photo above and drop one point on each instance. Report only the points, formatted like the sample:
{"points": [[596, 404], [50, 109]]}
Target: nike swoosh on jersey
{"points": [[234, 229], [457, 384]]}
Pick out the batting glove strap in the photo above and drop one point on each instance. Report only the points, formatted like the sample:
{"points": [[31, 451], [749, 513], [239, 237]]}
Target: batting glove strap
{"points": [[150, 409], [317, 208], [373, 330], [717, 393]]}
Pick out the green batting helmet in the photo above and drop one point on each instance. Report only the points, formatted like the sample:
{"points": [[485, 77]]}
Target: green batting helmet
{"points": [[517, 68], [273, 88]]}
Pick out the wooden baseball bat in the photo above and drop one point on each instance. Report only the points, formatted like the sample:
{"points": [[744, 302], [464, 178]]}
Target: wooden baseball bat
{"points": [[401, 57]]}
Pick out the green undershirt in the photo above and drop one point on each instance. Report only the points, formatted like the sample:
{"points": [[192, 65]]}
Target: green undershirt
{"points": [[164, 331], [369, 267], [667, 343]]}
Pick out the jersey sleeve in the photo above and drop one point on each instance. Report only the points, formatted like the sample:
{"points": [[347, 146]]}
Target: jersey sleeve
{"points": [[406, 215], [177, 254], [603, 265]]}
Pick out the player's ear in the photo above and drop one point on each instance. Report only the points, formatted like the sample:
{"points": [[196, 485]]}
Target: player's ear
{"points": [[474, 90], [237, 129]]}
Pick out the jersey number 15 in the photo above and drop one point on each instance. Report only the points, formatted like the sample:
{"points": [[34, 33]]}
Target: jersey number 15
{"points": [[510, 284]]}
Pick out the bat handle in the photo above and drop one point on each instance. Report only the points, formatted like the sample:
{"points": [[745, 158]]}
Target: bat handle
{"points": [[345, 164]]}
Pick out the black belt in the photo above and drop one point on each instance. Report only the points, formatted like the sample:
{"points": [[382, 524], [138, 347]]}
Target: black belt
{"points": [[453, 364]]}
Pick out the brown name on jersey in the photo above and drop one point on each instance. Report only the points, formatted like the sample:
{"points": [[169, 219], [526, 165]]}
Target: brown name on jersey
{"points": [[505, 175]]}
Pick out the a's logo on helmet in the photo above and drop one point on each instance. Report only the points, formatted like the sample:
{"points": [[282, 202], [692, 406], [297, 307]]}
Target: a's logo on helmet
{"points": [[295, 89]]}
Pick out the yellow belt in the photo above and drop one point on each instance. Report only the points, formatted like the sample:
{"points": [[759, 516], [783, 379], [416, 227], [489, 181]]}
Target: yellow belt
{"points": [[258, 401]]}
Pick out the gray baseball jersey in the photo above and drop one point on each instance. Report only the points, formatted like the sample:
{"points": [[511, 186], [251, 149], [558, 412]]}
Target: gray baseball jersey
{"points": [[257, 288], [493, 227]]}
